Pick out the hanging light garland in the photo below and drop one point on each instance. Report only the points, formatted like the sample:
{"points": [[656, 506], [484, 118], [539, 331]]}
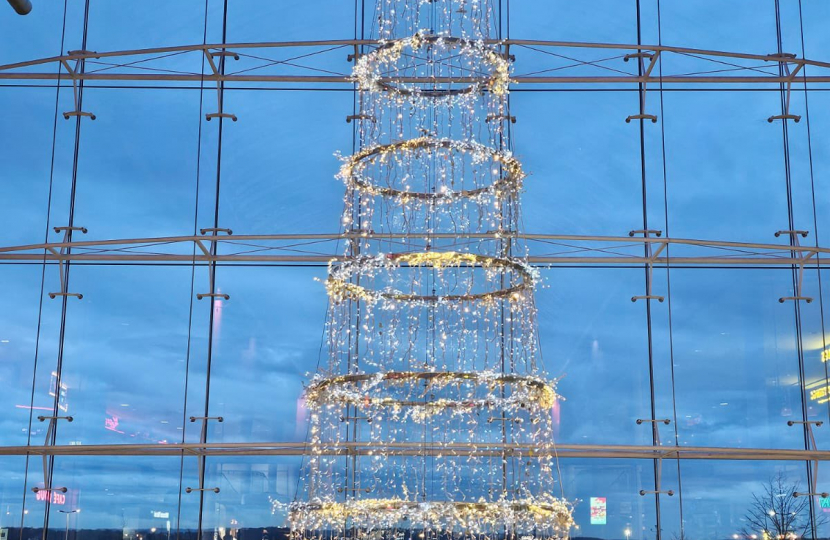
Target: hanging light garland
{"points": [[431, 418], [365, 390], [385, 70], [523, 516], [506, 169], [340, 287]]}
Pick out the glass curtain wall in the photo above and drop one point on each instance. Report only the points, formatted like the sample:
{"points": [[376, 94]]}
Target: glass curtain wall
{"points": [[140, 359]]}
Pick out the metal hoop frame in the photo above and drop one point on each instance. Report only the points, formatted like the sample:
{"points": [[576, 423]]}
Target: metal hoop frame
{"points": [[509, 180], [339, 286], [369, 77], [538, 391]]}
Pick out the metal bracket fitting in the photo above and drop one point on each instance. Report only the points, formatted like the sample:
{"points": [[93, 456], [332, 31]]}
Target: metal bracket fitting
{"points": [[651, 256], [82, 229], [360, 117], [811, 445], [215, 230], [191, 490], [44, 418], [646, 73], [206, 418], [492, 419], [658, 478], [783, 60], [803, 234], [74, 75], [61, 489], [646, 232], [67, 237], [804, 258], [491, 117], [199, 296], [666, 421], [54, 295], [656, 492], [217, 72], [211, 116], [356, 418]]}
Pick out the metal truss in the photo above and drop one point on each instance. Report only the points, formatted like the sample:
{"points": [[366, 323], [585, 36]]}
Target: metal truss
{"points": [[545, 249], [410, 449], [547, 62], [651, 250]]}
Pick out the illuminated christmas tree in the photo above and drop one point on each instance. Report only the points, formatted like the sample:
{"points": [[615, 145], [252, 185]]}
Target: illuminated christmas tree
{"points": [[430, 418]]}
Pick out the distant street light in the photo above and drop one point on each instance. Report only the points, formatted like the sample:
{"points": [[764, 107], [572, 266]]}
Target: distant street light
{"points": [[68, 512], [627, 533]]}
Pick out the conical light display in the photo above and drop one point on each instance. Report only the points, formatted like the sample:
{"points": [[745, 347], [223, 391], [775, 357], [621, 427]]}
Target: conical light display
{"points": [[431, 418]]}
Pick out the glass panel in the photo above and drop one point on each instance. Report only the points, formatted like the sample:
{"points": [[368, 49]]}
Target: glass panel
{"points": [[726, 174], [820, 133], [125, 353], [253, 497], [115, 27], [140, 180], [816, 357], [814, 13], [277, 161], [718, 497], [26, 156], [803, 180], [266, 340], [596, 340], [565, 21], [612, 485], [576, 186], [12, 492], [728, 327], [18, 346], [125, 497], [251, 20], [716, 25]]}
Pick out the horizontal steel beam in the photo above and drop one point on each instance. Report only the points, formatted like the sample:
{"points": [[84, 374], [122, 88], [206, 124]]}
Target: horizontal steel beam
{"points": [[324, 259], [573, 249], [413, 449], [334, 79], [147, 73]]}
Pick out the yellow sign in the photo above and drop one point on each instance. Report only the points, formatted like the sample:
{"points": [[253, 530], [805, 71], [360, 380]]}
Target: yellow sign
{"points": [[819, 390]]}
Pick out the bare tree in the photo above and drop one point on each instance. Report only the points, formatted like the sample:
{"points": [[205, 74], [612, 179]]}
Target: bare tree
{"points": [[777, 514]]}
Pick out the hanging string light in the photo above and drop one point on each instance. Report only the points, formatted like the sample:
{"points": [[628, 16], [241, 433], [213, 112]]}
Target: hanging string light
{"points": [[431, 418], [460, 70]]}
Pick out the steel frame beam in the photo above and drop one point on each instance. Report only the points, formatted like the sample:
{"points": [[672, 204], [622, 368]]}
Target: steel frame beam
{"points": [[595, 252], [271, 248], [21, 71], [410, 449]]}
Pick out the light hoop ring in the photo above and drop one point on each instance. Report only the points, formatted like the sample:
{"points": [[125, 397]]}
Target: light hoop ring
{"points": [[368, 71], [343, 389], [550, 513], [509, 180], [340, 288]]}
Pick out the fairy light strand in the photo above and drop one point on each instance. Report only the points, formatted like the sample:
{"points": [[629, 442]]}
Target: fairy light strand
{"points": [[432, 341]]}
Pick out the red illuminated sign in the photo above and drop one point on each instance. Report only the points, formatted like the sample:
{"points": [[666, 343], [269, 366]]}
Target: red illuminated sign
{"points": [[57, 496], [111, 424]]}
